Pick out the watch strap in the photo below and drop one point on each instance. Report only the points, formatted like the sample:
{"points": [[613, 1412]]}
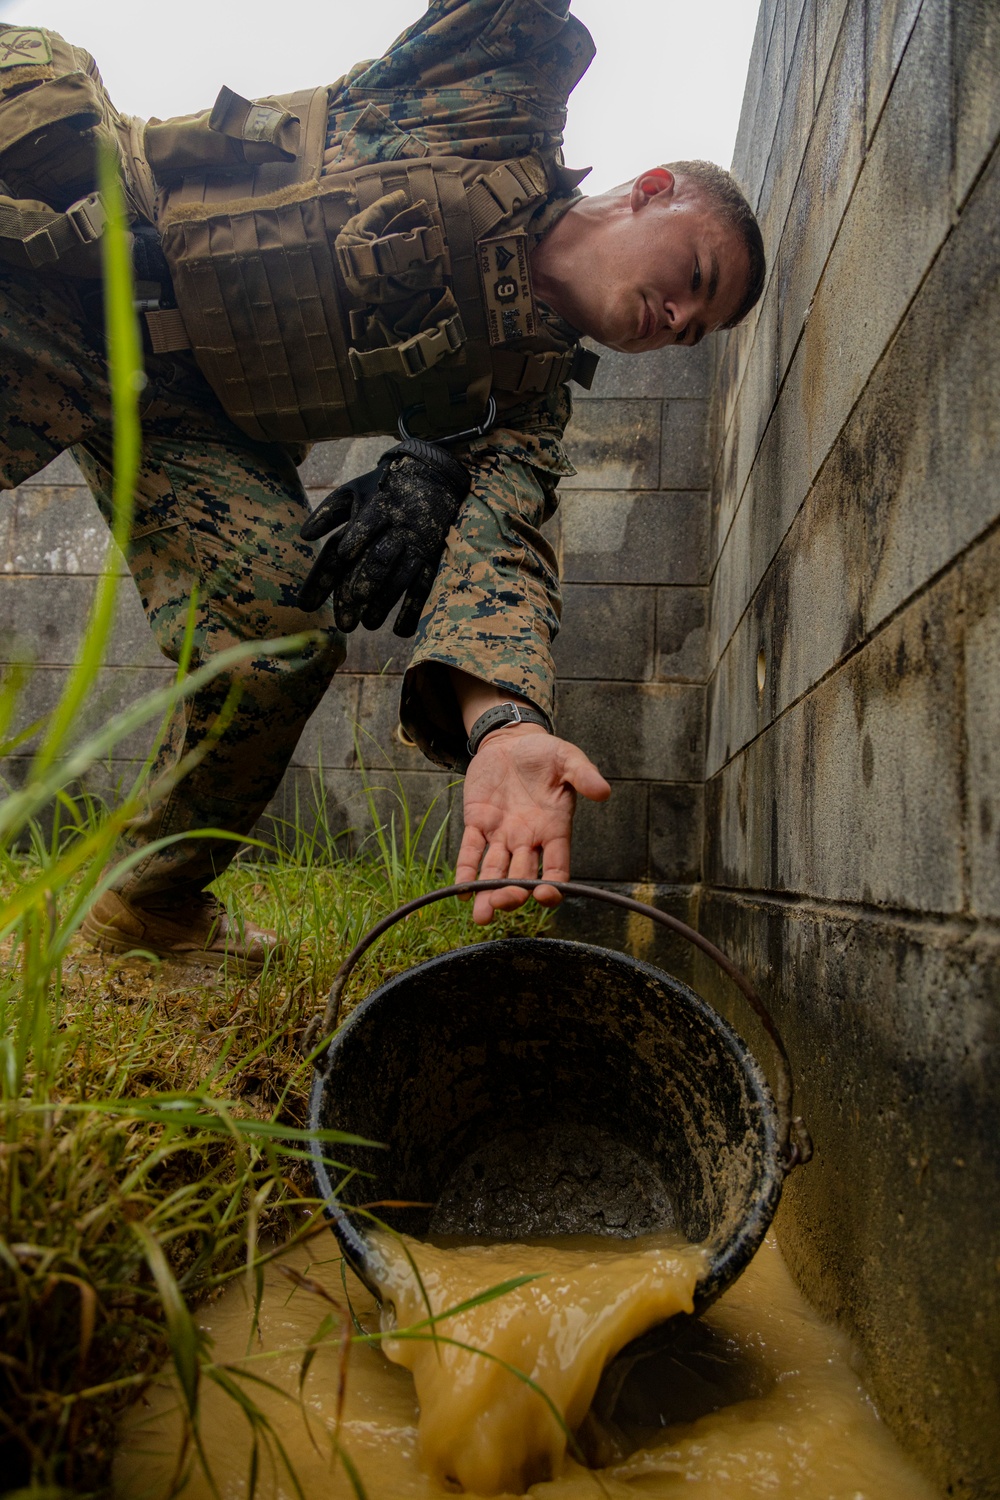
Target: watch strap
{"points": [[498, 717]]}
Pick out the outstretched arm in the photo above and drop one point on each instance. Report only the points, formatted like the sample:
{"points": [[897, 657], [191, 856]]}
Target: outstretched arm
{"points": [[520, 797]]}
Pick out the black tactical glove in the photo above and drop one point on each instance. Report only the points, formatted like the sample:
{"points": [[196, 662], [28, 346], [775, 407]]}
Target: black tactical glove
{"points": [[389, 530]]}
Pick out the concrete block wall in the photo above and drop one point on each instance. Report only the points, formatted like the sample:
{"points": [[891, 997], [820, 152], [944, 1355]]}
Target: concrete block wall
{"points": [[632, 534], [852, 779]]}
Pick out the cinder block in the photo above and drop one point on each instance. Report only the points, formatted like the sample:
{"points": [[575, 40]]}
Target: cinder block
{"points": [[584, 920], [607, 537], [681, 634], [907, 485], [684, 461], [927, 428], [7, 533], [379, 742], [804, 616], [765, 118], [794, 122], [607, 632], [107, 782], [778, 482], [57, 529], [330, 464], [352, 807], [829, 170], [898, 216], [649, 730], [751, 91], [675, 831], [49, 615], [752, 87], [889, 24], [378, 651], [749, 407], [829, 19], [674, 373], [900, 211], [60, 471], [610, 838], [981, 613], [614, 445], [114, 691], [329, 736], [794, 11], [976, 68], [855, 794]]}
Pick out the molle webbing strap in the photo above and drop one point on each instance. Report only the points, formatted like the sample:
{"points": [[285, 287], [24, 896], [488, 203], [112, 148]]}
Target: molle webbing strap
{"points": [[392, 255], [167, 333], [522, 374], [509, 187], [415, 356], [35, 236], [462, 401]]}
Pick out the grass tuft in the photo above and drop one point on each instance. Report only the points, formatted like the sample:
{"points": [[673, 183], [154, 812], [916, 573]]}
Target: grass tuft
{"points": [[152, 1121]]}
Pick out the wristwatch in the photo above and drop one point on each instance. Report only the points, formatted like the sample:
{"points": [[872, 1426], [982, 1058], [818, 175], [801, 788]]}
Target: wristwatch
{"points": [[500, 715]]}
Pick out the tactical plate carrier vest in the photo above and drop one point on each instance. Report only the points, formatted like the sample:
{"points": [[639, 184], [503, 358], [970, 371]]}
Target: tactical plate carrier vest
{"points": [[320, 306], [317, 305]]}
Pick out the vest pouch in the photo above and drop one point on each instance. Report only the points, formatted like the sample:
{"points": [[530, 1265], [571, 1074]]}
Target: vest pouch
{"points": [[54, 112], [391, 250]]}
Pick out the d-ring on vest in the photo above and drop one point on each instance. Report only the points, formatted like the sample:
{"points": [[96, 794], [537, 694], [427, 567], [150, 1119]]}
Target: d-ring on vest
{"points": [[321, 307]]}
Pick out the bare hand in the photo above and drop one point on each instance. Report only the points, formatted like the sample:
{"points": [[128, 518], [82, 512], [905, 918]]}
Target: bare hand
{"points": [[520, 796]]}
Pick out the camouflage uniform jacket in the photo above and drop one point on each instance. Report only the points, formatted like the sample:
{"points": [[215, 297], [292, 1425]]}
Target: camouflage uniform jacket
{"points": [[481, 79]]}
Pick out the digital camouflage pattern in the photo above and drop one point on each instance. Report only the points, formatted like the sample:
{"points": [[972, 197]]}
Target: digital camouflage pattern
{"points": [[213, 512], [471, 78], [217, 512]]}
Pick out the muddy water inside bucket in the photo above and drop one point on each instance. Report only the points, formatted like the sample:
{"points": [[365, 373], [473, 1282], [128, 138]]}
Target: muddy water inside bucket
{"points": [[558, 1177], [756, 1398]]}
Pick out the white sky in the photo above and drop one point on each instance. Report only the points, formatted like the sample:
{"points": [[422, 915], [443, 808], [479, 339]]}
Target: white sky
{"points": [[667, 82]]}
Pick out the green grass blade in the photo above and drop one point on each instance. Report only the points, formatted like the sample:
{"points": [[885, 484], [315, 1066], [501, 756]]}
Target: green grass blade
{"points": [[126, 376]]}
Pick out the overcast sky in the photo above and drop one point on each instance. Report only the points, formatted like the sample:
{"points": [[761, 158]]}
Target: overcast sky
{"points": [[667, 81]]}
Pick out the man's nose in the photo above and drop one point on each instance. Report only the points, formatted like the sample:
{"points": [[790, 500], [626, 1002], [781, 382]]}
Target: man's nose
{"points": [[677, 315]]}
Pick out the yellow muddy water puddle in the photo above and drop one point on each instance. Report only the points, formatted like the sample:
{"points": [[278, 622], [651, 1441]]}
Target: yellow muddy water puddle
{"points": [[792, 1419]]}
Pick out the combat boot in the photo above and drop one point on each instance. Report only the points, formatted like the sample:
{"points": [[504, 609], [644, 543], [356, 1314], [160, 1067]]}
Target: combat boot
{"points": [[198, 931]]}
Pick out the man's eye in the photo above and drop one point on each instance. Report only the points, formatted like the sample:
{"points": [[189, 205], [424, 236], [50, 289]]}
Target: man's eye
{"points": [[696, 278]]}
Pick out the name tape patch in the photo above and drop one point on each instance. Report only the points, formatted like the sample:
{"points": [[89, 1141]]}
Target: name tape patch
{"points": [[503, 271], [20, 48]]}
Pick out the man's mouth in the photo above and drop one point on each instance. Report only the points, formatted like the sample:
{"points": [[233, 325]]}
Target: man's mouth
{"points": [[648, 321]]}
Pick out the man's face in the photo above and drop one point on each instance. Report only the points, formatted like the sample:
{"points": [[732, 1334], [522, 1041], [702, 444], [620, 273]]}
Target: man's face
{"points": [[667, 271]]}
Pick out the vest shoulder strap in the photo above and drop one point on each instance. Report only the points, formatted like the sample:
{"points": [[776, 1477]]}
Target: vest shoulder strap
{"points": [[34, 235]]}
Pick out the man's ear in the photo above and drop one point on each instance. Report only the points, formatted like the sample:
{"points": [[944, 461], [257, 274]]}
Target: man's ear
{"points": [[649, 185]]}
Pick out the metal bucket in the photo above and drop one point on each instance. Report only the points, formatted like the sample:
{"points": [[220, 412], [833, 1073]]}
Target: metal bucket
{"points": [[531, 1086]]}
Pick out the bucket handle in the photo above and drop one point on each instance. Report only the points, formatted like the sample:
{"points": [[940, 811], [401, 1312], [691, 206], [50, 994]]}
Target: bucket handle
{"points": [[796, 1144]]}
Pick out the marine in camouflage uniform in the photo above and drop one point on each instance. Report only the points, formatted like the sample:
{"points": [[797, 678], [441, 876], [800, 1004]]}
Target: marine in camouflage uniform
{"points": [[219, 513]]}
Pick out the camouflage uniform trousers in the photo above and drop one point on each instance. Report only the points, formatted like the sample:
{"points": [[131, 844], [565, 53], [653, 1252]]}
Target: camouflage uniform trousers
{"points": [[214, 512]]}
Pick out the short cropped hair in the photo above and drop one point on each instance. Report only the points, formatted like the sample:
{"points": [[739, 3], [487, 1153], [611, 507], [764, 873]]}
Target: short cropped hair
{"points": [[720, 189]]}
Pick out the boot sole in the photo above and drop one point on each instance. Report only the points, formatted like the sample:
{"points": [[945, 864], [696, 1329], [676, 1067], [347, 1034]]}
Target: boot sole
{"points": [[108, 940]]}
